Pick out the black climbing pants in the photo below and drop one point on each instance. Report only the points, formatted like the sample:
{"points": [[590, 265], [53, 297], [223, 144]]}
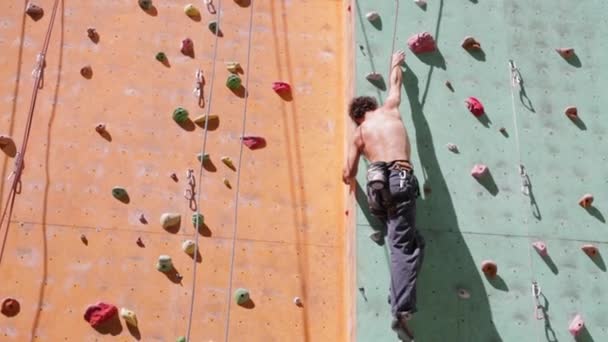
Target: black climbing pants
{"points": [[406, 245]]}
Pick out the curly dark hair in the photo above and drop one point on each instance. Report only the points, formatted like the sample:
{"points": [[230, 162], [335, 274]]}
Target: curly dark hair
{"points": [[361, 105]]}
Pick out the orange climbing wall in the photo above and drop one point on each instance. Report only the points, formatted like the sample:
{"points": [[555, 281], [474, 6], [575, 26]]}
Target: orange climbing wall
{"points": [[290, 240]]}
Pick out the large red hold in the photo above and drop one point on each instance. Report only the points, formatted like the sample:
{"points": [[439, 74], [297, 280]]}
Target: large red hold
{"points": [[254, 142], [281, 87], [422, 43], [475, 106], [99, 313]]}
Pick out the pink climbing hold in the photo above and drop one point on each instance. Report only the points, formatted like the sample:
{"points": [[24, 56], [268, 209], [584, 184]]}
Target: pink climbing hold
{"points": [[540, 247], [100, 313], [479, 170], [187, 47], [422, 43], [576, 325], [590, 250], [475, 106], [586, 200], [565, 52], [253, 142], [281, 87], [489, 268]]}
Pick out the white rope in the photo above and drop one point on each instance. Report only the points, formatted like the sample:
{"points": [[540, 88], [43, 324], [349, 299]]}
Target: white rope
{"points": [[200, 176], [238, 176]]}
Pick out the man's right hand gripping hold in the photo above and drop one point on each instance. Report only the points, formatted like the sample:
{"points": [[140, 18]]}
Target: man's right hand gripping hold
{"points": [[392, 189]]}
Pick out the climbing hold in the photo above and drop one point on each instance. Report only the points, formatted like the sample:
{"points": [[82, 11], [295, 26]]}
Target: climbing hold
{"points": [[571, 112], [297, 301], [241, 296], [84, 239], [565, 52], [145, 4], [187, 47], [10, 307], [586, 200], [119, 193], [464, 294], [228, 162], [181, 339], [253, 142], [99, 313], [86, 71], [590, 250], [449, 85], [227, 183], [475, 106], [92, 33], [576, 325], [164, 263], [233, 82], [213, 26], [502, 130], [469, 43], [180, 115], [100, 128], [191, 11], [203, 157], [452, 147], [129, 316], [233, 67], [161, 57], [5, 141], [170, 220], [420, 3], [189, 247], [281, 87], [34, 11], [373, 77], [540, 247], [372, 16], [139, 242], [479, 170], [376, 236], [142, 218], [173, 176], [489, 268], [422, 43], [200, 120], [198, 220]]}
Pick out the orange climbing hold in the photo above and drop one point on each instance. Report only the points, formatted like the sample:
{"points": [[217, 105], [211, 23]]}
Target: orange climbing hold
{"points": [[469, 43], [489, 268], [571, 112], [590, 250], [576, 325], [586, 201], [565, 52]]}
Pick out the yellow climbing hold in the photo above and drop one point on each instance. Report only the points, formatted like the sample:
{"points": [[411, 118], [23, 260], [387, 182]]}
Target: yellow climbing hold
{"points": [[169, 220], [233, 67], [191, 11], [129, 316], [189, 246], [200, 120], [227, 183], [228, 162]]}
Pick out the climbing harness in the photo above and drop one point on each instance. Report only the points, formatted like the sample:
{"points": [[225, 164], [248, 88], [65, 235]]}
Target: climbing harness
{"points": [[199, 88]]}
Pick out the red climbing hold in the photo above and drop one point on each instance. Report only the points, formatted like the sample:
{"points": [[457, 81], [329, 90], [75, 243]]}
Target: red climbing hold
{"points": [[565, 52], [479, 170], [470, 43], [576, 325], [571, 112], [281, 87], [475, 106], [422, 43], [99, 313], [10, 307], [34, 11], [187, 47], [489, 268], [586, 201], [590, 250], [540, 247], [253, 142]]}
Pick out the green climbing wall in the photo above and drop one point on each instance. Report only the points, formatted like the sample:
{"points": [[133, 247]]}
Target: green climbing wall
{"points": [[465, 221]]}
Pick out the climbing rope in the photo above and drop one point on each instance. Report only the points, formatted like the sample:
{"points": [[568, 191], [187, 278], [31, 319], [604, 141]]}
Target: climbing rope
{"points": [[238, 176], [197, 222], [38, 74]]}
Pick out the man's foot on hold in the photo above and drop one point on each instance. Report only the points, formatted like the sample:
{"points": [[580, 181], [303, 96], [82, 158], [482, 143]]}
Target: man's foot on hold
{"points": [[402, 329]]}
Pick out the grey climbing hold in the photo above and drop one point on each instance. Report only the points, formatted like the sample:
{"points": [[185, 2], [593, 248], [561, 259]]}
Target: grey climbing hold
{"points": [[373, 77], [213, 26], [198, 220], [203, 157], [376, 236], [120, 193], [189, 247], [145, 4], [372, 16], [452, 147], [241, 296], [164, 263], [170, 220], [180, 115]]}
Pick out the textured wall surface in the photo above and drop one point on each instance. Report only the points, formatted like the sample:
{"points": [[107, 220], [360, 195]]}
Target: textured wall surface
{"points": [[290, 204], [465, 221]]}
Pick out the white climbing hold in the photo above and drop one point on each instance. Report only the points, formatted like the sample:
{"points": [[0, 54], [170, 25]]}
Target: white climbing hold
{"points": [[297, 301], [129, 316], [189, 247], [452, 147], [169, 220], [372, 16], [540, 247]]}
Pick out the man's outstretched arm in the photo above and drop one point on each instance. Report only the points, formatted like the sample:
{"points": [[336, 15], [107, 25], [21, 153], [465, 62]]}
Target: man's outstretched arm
{"points": [[396, 80], [352, 160]]}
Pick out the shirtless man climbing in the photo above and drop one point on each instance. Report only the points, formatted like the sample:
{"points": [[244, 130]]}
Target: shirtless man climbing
{"points": [[392, 189]]}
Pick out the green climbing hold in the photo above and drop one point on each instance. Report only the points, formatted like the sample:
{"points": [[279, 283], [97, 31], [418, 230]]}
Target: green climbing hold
{"points": [[145, 4], [161, 57], [213, 26], [119, 193], [180, 115], [233, 82], [198, 220], [203, 157], [181, 339], [241, 296]]}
